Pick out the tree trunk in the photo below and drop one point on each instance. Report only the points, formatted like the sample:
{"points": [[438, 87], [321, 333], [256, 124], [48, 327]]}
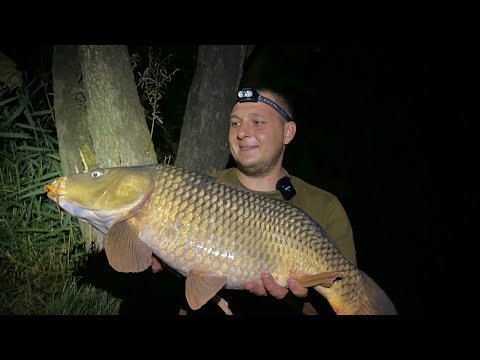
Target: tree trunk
{"points": [[115, 117], [70, 111], [98, 115], [203, 144], [74, 141]]}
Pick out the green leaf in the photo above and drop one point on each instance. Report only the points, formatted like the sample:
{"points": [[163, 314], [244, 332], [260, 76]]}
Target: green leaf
{"points": [[17, 112], [5, 102], [15, 135], [43, 112]]}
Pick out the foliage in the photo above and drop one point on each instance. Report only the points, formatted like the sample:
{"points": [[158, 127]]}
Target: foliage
{"points": [[9, 75], [152, 81], [40, 246], [84, 300]]}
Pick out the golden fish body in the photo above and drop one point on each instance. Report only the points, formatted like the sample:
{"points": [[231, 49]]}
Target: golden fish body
{"points": [[215, 234]]}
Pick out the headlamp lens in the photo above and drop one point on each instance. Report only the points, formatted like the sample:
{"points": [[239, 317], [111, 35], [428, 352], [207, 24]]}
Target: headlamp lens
{"points": [[245, 93]]}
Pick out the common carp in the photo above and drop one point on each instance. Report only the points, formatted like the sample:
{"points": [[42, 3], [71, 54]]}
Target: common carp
{"points": [[216, 235]]}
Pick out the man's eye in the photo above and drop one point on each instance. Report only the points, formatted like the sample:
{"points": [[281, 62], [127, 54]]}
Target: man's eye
{"points": [[234, 124], [258, 122]]}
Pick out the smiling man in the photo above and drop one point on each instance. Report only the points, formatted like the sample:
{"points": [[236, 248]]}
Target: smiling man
{"points": [[261, 127]]}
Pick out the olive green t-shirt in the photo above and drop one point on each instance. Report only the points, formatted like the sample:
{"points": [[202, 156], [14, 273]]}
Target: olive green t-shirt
{"points": [[322, 206]]}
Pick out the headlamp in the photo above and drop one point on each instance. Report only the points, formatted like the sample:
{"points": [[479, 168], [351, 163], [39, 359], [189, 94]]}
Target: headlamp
{"points": [[252, 95]]}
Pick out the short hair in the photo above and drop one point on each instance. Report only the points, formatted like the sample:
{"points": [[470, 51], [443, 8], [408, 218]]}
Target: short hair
{"points": [[283, 98]]}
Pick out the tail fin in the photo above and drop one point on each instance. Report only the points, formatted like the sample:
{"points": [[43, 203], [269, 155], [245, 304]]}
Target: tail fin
{"points": [[373, 300]]}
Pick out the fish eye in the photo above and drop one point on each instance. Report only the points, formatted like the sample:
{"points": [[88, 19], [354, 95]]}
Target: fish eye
{"points": [[96, 173]]}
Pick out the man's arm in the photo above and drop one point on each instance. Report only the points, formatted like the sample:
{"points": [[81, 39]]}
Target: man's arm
{"points": [[339, 229]]}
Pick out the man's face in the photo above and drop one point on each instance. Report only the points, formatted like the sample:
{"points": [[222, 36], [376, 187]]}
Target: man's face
{"points": [[257, 136]]}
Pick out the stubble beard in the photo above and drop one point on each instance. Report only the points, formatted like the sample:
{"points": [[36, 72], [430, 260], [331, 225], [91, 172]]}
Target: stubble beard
{"points": [[263, 167]]}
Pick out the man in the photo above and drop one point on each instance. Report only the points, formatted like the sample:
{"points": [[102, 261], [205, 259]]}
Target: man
{"points": [[261, 126]]}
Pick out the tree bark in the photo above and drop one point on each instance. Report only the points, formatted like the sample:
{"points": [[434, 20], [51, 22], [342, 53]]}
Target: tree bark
{"points": [[203, 144], [74, 141], [115, 117], [70, 109]]}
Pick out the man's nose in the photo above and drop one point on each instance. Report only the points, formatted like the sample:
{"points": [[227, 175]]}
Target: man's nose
{"points": [[244, 131]]}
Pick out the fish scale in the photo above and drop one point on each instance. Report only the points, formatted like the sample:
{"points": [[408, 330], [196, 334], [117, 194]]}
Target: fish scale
{"points": [[257, 251], [206, 229]]}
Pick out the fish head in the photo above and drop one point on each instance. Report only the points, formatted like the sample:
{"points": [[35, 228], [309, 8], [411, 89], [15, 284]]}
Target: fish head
{"points": [[103, 196]]}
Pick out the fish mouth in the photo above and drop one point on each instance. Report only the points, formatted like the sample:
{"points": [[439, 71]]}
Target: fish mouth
{"points": [[55, 190]]}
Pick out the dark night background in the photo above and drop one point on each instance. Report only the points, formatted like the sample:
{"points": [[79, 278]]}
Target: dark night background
{"points": [[386, 128]]}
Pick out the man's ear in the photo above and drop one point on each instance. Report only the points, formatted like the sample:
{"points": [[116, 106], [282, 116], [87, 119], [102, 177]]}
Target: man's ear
{"points": [[289, 132]]}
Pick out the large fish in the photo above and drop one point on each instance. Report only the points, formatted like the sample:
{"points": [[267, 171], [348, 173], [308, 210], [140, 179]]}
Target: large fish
{"points": [[214, 234]]}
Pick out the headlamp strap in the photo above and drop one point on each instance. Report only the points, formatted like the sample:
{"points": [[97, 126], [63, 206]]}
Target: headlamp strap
{"points": [[252, 95]]}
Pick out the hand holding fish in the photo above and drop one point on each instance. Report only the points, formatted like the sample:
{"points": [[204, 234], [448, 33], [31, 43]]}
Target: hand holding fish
{"points": [[274, 289]]}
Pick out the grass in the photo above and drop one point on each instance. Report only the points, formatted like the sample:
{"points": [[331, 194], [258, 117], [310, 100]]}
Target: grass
{"points": [[40, 247]]}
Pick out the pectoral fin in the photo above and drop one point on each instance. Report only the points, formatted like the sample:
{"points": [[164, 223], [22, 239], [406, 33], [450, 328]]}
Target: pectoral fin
{"points": [[324, 279], [200, 288], [125, 251]]}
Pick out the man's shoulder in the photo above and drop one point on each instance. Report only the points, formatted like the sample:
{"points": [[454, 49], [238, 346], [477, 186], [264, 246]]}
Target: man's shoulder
{"points": [[311, 190]]}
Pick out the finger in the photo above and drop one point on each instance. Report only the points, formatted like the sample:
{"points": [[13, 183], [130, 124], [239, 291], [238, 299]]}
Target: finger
{"points": [[256, 289], [296, 288], [156, 265], [272, 287]]}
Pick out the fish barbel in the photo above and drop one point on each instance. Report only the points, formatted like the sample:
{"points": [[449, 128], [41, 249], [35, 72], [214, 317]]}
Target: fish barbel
{"points": [[214, 234]]}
